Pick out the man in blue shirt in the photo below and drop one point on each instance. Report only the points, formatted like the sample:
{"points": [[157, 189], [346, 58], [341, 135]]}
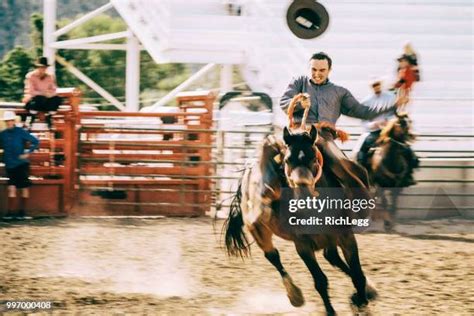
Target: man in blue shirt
{"points": [[15, 157], [376, 100]]}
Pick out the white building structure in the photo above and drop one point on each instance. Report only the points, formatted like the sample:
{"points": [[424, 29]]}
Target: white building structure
{"points": [[364, 38]]}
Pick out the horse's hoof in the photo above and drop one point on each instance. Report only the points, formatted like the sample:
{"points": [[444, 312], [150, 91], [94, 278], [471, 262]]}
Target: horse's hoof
{"points": [[293, 292], [371, 291], [357, 301], [388, 226], [331, 313]]}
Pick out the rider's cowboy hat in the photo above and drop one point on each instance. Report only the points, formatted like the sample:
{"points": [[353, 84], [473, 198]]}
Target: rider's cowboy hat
{"points": [[8, 116], [42, 62], [403, 57]]}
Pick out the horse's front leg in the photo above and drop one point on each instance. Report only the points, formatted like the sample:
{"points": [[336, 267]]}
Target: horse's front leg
{"points": [[263, 237], [305, 250], [348, 244], [332, 256]]}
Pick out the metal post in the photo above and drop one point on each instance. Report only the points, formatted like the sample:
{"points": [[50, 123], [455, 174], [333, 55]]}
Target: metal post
{"points": [[172, 94], [49, 27], [226, 78], [132, 85]]}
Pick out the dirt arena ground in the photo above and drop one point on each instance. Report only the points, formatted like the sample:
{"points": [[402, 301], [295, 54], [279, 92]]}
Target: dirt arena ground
{"points": [[177, 266]]}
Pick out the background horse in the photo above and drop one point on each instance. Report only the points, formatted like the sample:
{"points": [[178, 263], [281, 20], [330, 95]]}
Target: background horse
{"points": [[391, 164], [256, 207]]}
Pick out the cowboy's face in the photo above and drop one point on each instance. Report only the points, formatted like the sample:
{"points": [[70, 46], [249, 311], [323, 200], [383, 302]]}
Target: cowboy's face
{"points": [[403, 63], [10, 124], [41, 70], [319, 70], [377, 87]]}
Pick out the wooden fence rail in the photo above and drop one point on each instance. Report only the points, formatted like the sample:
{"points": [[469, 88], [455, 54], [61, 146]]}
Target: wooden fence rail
{"points": [[118, 163]]}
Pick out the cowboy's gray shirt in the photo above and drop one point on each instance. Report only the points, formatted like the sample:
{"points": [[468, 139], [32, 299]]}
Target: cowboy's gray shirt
{"points": [[328, 102]]}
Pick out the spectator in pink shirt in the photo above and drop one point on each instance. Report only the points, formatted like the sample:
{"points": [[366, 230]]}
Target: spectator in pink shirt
{"points": [[40, 92]]}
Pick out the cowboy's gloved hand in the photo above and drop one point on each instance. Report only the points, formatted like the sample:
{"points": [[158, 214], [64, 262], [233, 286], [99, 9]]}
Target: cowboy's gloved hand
{"points": [[291, 108], [24, 156], [304, 100]]}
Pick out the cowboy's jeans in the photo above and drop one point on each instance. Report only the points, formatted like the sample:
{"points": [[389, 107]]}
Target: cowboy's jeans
{"points": [[44, 104]]}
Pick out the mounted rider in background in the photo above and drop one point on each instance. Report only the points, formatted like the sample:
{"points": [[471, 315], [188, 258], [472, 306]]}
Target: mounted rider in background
{"points": [[380, 99]]}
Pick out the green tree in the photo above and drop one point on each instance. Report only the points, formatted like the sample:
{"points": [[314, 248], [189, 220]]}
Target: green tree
{"points": [[13, 68], [36, 37], [107, 68]]}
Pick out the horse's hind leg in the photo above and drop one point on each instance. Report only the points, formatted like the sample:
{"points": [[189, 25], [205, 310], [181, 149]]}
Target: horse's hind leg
{"points": [[306, 252], [382, 211], [263, 236], [395, 193], [332, 256]]}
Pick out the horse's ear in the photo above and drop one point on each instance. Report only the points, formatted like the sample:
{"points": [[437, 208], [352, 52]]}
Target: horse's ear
{"points": [[313, 133], [286, 135]]}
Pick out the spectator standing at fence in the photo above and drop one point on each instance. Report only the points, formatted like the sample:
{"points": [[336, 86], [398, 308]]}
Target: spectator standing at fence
{"points": [[15, 157], [40, 92]]}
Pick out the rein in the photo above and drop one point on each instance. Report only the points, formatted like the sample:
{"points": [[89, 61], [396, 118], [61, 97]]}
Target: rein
{"points": [[320, 170], [398, 143]]}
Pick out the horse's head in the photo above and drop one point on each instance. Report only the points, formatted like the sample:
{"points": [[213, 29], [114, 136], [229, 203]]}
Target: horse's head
{"points": [[303, 161], [405, 124], [398, 129]]}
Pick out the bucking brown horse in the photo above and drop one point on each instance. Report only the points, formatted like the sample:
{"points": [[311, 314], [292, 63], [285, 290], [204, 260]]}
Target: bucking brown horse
{"points": [[295, 165]]}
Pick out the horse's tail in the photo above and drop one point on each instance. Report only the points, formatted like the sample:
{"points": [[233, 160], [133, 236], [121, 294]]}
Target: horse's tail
{"points": [[235, 240]]}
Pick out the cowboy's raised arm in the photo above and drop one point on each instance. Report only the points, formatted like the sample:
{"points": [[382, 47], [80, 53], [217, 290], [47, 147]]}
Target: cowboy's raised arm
{"points": [[351, 107]]}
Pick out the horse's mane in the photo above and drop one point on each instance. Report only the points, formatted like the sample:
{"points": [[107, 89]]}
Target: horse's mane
{"points": [[337, 133], [386, 132], [271, 149]]}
